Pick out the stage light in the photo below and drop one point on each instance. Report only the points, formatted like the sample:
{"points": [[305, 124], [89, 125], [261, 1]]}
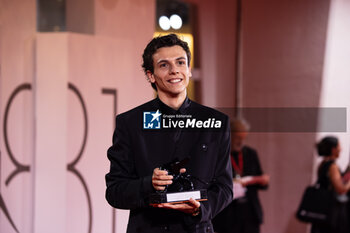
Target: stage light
{"points": [[175, 21], [164, 23]]}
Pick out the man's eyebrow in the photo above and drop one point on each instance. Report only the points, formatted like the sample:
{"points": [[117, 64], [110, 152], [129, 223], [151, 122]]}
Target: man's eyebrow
{"points": [[166, 60], [162, 60], [179, 58]]}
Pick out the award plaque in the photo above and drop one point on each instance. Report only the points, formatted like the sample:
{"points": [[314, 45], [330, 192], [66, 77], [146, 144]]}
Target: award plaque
{"points": [[182, 188]]}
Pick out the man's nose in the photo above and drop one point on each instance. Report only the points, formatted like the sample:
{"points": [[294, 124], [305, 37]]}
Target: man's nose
{"points": [[174, 69]]}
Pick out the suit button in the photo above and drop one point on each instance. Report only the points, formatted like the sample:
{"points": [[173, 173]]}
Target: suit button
{"points": [[166, 228], [208, 229], [204, 147]]}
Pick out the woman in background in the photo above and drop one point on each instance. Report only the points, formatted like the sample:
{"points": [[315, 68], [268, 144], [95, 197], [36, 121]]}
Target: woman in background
{"points": [[329, 177]]}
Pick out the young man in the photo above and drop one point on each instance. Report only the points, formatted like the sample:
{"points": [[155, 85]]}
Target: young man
{"points": [[188, 130]]}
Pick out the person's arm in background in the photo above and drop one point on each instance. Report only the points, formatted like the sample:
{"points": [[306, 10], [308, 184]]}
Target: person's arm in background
{"points": [[339, 186], [260, 180]]}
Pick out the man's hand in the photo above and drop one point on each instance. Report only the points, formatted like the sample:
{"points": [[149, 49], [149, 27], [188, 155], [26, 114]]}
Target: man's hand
{"points": [[189, 207], [160, 178]]}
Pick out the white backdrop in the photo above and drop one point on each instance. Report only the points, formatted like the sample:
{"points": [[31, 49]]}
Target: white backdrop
{"points": [[59, 93]]}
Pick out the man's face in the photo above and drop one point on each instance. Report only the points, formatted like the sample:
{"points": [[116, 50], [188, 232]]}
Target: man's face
{"points": [[171, 73], [237, 140]]}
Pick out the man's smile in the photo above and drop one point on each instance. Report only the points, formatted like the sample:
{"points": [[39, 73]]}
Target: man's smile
{"points": [[175, 80]]}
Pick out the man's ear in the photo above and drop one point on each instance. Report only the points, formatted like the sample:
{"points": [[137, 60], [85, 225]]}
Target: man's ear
{"points": [[150, 76], [190, 72]]}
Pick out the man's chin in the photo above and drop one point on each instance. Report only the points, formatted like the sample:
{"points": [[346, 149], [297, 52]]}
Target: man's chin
{"points": [[175, 93]]}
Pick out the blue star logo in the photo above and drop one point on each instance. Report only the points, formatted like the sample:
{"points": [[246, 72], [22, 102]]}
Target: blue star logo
{"points": [[151, 120]]}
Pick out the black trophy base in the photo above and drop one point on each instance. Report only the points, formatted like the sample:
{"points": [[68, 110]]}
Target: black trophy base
{"points": [[178, 197]]}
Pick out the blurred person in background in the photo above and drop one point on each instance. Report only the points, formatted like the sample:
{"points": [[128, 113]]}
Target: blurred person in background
{"points": [[346, 178], [329, 177], [244, 214]]}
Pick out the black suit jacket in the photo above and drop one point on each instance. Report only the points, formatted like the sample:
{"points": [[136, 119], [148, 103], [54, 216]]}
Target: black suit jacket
{"points": [[136, 152]]}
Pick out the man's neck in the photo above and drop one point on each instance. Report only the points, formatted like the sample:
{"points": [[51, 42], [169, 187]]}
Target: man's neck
{"points": [[174, 102]]}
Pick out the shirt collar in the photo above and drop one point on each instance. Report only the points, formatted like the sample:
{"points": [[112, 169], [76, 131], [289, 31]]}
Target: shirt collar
{"points": [[168, 110]]}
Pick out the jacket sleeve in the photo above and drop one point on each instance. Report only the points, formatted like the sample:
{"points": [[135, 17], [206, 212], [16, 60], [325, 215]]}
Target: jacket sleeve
{"points": [[125, 190], [220, 191]]}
